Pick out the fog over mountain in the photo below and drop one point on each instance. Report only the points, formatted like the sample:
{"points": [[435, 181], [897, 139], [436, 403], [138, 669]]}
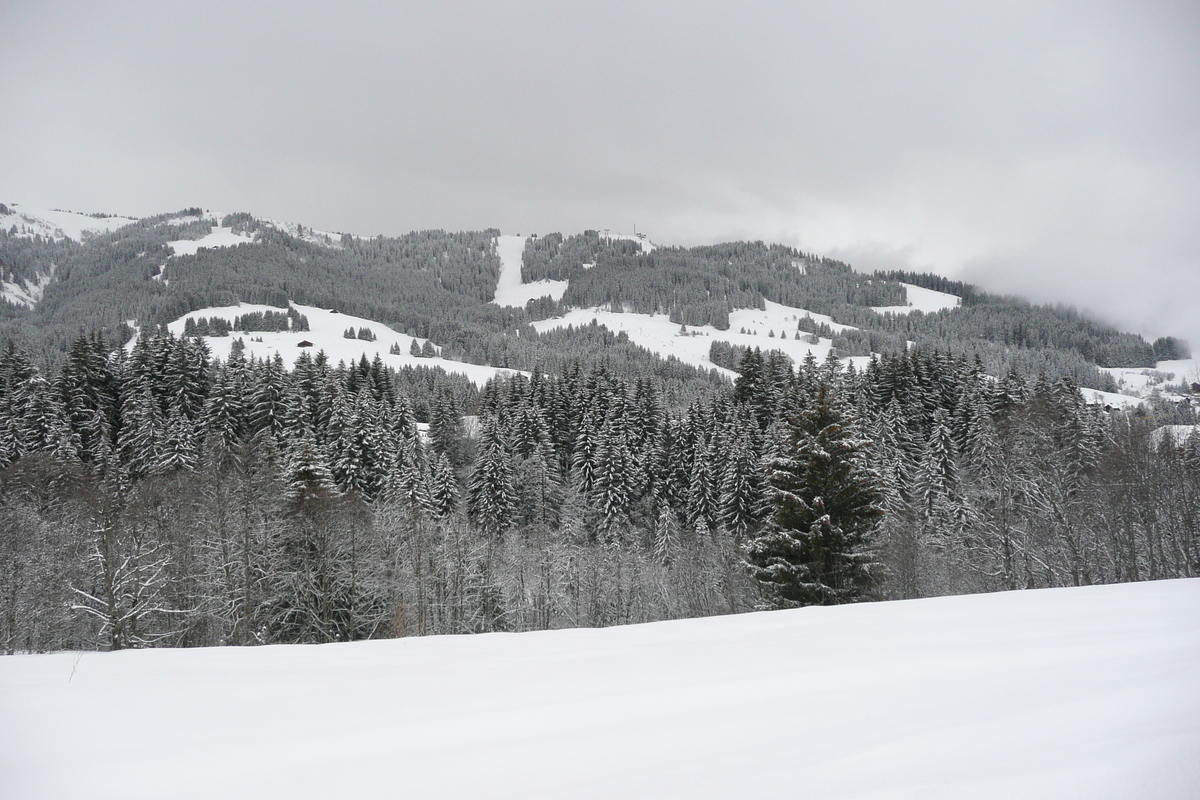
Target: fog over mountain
{"points": [[1046, 151]]}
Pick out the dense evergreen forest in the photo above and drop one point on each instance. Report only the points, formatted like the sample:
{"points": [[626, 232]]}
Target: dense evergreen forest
{"points": [[150, 496]]}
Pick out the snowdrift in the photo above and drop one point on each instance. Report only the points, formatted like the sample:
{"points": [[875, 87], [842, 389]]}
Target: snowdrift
{"points": [[1065, 693]]}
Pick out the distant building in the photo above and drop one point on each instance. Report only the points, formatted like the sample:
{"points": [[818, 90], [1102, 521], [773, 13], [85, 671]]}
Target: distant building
{"points": [[304, 343]]}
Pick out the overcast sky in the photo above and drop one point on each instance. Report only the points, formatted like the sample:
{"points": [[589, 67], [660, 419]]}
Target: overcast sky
{"points": [[1051, 150]]}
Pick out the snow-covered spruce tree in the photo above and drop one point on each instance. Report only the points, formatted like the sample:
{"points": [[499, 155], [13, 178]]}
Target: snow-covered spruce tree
{"points": [[491, 493], [443, 492], [612, 493], [824, 504]]}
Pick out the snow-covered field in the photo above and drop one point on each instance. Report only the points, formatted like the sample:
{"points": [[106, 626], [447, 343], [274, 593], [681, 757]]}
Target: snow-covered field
{"points": [[1066, 693], [659, 335], [1097, 397], [922, 299], [1146, 382], [509, 289], [31, 221], [327, 333], [218, 237]]}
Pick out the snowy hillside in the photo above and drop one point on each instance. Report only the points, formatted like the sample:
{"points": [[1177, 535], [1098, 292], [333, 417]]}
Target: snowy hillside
{"points": [[922, 299], [659, 335], [1145, 382], [327, 332], [32, 221], [1064, 693], [26, 293], [509, 289], [219, 237]]}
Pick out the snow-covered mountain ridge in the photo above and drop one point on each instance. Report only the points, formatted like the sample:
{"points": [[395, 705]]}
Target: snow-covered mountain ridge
{"points": [[199, 231]]}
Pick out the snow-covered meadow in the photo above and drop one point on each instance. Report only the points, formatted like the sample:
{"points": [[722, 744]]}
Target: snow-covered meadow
{"points": [[658, 334], [928, 301], [57, 224], [327, 332], [1061, 693]]}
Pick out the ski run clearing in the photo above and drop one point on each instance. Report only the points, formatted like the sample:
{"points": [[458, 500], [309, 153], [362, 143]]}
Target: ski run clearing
{"points": [[658, 334], [509, 289], [327, 332], [1059, 693], [218, 237], [928, 301]]}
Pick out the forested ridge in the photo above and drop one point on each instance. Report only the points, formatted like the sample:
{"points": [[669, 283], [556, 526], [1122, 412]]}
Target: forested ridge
{"points": [[436, 285]]}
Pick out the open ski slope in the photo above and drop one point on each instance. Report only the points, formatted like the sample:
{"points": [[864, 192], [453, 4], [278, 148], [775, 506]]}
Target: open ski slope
{"points": [[327, 333], [509, 289], [658, 334], [217, 237], [928, 301], [1068, 693]]}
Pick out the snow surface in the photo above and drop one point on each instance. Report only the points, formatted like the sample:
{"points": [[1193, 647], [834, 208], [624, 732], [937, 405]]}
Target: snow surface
{"points": [[1147, 382], [509, 289], [32, 221], [658, 334], [305, 233], [218, 237], [1089, 692], [922, 299], [1178, 434], [327, 329], [1097, 397], [24, 293], [641, 238]]}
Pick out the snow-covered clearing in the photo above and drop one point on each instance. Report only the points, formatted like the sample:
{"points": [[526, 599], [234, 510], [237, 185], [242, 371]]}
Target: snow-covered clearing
{"points": [[1149, 382], [659, 335], [304, 233], [26, 294], [328, 333], [922, 299], [218, 237], [1177, 435], [641, 238], [509, 289], [1088, 692], [1097, 397], [31, 221]]}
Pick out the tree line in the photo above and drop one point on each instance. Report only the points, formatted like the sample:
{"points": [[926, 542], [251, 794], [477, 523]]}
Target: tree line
{"points": [[150, 495]]}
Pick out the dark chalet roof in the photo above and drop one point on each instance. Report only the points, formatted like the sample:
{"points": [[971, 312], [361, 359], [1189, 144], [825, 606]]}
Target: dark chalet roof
{"points": [[304, 343]]}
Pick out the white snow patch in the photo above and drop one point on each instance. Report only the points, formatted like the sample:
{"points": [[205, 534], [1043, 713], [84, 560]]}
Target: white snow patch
{"points": [[305, 233], [24, 293], [1178, 434], [659, 335], [327, 333], [218, 237], [509, 289], [1122, 401], [641, 238], [922, 299], [31, 221], [1187, 369], [1088, 692]]}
